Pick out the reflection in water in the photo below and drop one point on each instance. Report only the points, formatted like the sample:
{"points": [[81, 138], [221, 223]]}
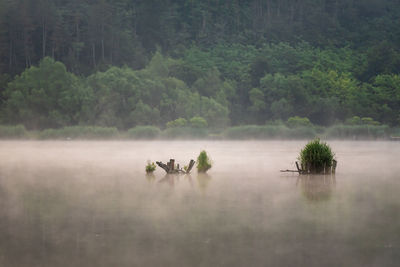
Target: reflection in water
{"points": [[317, 187], [150, 177], [203, 180], [168, 179], [188, 178]]}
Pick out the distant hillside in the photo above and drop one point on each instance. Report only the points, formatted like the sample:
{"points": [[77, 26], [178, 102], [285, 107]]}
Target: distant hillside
{"points": [[124, 63]]}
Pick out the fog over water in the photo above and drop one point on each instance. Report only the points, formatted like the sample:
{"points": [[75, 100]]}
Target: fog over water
{"points": [[77, 203]]}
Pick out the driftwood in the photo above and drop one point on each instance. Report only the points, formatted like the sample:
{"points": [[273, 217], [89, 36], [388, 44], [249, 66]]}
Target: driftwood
{"points": [[170, 167]]}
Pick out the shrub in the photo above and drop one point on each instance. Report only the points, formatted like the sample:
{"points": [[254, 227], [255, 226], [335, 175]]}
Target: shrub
{"points": [[395, 132], [316, 157], [150, 167], [297, 121], [198, 122], [268, 132], [255, 132], [180, 122], [144, 132], [301, 132], [358, 131], [79, 132], [361, 121], [17, 131], [203, 162], [369, 121], [355, 120], [184, 133]]}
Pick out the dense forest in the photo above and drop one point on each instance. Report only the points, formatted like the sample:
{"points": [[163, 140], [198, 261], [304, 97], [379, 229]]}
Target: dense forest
{"points": [[214, 63]]}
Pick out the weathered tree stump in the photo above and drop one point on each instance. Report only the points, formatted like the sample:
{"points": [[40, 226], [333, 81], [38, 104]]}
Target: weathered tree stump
{"points": [[170, 168], [190, 166], [163, 166]]}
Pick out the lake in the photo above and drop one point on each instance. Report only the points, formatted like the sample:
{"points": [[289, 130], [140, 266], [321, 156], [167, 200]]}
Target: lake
{"points": [[77, 203]]}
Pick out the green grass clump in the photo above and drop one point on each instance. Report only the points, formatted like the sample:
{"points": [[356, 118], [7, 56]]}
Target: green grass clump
{"points": [[144, 132], [150, 167], [203, 162], [316, 157]]}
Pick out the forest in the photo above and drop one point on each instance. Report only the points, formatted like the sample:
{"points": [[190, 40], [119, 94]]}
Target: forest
{"points": [[201, 64]]}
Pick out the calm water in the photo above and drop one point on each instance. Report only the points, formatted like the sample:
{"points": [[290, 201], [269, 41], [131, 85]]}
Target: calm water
{"points": [[91, 204]]}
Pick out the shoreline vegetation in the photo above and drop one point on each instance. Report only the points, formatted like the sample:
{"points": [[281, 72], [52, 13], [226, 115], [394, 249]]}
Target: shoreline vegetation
{"points": [[227, 70], [252, 132]]}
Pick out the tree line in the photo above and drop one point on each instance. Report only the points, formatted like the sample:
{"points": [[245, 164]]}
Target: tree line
{"points": [[131, 62]]}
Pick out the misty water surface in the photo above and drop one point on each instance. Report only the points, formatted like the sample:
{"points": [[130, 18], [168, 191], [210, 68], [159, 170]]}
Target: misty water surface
{"points": [[91, 204]]}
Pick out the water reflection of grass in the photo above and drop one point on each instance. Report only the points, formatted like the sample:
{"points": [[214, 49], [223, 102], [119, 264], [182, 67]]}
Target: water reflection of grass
{"points": [[150, 177], [203, 180], [317, 188]]}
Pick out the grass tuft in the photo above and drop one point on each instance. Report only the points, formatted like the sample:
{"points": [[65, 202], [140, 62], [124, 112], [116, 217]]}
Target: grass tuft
{"points": [[203, 162], [150, 167], [316, 157]]}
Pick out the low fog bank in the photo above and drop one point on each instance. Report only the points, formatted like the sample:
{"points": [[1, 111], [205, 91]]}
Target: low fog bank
{"points": [[90, 203], [245, 132]]}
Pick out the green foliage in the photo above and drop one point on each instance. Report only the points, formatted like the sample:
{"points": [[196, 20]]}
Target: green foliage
{"points": [[281, 109], [203, 162], [236, 63], [150, 167], [80, 132], [254, 132], [268, 132], [386, 98], [12, 132], [184, 133], [44, 96], [358, 132], [316, 156], [198, 122], [143, 114], [144, 132], [355, 120], [369, 121], [256, 97], [180, 122], [158, 65], [297, 121]]}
